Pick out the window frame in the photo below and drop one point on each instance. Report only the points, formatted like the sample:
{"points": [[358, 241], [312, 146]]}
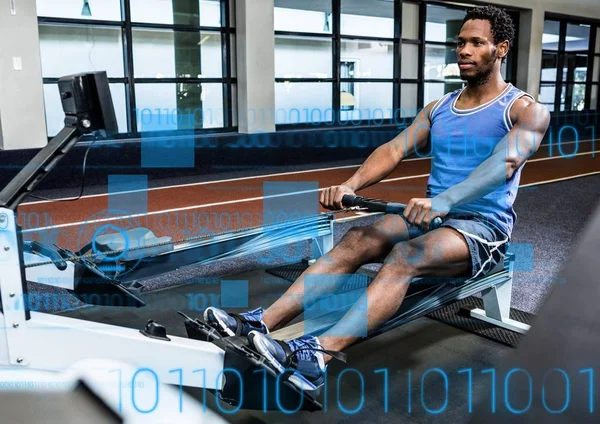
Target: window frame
{"points": [[336, 81], [561, 53], [226, 31]]}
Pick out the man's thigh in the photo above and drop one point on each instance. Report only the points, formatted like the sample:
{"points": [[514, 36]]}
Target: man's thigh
{"points": [[389, 230], [392, 229], [461, 247], [443, 252], [487, 243]]}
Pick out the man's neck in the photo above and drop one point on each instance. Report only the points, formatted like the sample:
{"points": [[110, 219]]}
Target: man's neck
{"points": [[486, 89]]}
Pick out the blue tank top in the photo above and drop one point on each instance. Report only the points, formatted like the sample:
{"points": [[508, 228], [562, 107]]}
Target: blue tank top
{"points": [[461, 140]]}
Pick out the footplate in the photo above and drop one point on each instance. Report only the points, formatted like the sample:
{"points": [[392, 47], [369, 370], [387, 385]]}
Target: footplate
{"points": [[199, 330], [250, 382], [257, 386]]}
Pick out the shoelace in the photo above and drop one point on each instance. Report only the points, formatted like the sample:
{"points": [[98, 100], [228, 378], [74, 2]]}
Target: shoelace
{"points": [[308, 346], [303, 348], [255, 315]]}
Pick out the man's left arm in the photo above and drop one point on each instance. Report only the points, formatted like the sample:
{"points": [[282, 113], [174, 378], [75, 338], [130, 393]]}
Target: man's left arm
{"points": [[512, 151]]}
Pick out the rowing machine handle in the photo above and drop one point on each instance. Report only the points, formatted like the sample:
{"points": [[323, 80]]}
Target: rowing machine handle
{"points": [[376, 205]]}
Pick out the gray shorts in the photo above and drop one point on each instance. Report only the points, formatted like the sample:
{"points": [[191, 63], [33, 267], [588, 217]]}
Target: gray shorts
{"points": [[487, 243]]}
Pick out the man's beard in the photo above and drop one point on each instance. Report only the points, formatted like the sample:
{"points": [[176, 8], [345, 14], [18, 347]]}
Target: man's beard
{"points": [[482, 76]]}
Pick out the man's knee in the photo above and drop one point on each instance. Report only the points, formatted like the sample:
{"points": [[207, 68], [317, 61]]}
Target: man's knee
{"points": [[363, 239], [407, 256]]}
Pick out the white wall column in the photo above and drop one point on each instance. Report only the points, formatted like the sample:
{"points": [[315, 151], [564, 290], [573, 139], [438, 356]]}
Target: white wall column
{"points": [[529, 60], [22, 114], [255, 65]]}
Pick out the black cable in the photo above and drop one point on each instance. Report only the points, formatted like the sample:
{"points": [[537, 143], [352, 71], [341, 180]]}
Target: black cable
{"points": [[84, 165]]}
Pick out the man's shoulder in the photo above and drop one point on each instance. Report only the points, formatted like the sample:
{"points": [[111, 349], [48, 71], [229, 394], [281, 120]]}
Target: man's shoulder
{"points": [[525, 104], [437, 103]]}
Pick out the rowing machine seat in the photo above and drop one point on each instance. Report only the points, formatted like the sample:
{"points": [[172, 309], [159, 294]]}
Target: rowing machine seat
{"points": [[132, 242]]}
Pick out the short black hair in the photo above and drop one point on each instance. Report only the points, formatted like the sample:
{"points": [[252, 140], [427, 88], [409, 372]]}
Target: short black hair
{"points": [[502, 25]]}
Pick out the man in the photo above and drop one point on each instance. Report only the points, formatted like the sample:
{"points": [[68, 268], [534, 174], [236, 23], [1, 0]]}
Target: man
{"points": [[480, 137]]}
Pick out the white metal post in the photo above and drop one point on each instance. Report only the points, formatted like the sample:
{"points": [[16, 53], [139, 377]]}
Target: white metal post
{"points": [[496, 303]]}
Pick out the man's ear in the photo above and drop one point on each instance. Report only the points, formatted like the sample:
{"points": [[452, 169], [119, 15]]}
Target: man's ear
{"points": [[502, 49]]}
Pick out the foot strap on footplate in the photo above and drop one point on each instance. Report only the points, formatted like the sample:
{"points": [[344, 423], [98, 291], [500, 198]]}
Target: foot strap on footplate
{"points": [[250, 382]]}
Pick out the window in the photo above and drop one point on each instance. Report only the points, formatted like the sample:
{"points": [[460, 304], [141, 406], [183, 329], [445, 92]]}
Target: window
{"points": [[106, 10], [300, 56], [169, 63], [443, 23], [88, 48], [568, 80], [411, 82], [293, 16], [193, 13], [410, 21], [303, 62], [440, 70], [595, 72], [348, 93], [369, 18], [341, 61], [578, 38], [183, 54], [368, 39], [547, 95], [551, 35]]}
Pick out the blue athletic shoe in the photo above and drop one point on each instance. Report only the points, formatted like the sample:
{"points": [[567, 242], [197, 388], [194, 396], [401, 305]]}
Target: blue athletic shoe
{"points": [[229, 325], [301, 358]]}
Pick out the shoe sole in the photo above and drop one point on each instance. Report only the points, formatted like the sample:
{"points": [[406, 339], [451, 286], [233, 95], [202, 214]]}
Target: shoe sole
{"points": [[260, 343]]}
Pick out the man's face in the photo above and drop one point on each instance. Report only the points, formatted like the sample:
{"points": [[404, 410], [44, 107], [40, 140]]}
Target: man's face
{"points": [[476, 51]]}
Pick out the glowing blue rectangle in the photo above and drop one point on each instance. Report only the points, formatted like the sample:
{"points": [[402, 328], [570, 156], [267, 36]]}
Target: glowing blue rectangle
{"points": [[336, 298], [128, 194], [289, 201], [167, 152], [234, 293], [295, 205], [523, 256]]}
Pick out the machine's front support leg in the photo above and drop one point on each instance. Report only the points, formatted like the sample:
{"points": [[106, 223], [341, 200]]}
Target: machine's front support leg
{"points": [[328, 240], [13, 291], [496, 301], [321, 245]]}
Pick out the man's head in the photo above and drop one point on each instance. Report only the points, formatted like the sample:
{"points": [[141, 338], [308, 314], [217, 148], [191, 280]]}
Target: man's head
{"points": [[484, 40]]}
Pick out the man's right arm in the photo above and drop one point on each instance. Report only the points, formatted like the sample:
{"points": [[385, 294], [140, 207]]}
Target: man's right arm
{"points": [[382, 161]]}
